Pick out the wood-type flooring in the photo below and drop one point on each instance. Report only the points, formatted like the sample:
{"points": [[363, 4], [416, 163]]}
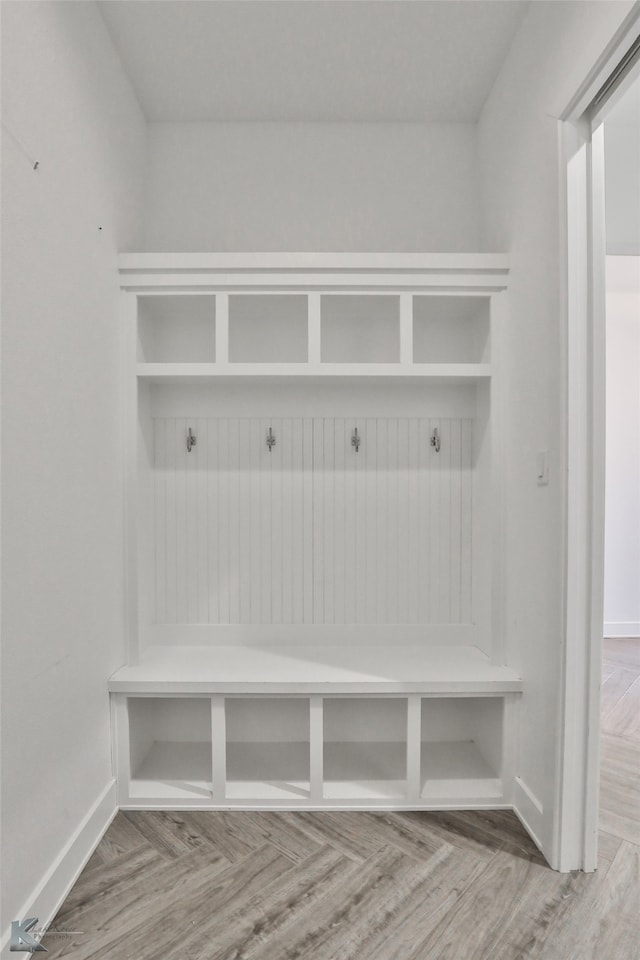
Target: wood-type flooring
{"points": [[367, 886]]}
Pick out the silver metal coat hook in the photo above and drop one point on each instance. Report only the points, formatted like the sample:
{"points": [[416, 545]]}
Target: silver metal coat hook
{"points": [[191, 440], [435, 440], [356, 440], [271, 440]]}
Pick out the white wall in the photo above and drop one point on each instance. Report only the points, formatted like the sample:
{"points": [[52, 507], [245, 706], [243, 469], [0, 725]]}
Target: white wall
{"points": [[622, 524], [557, 45], [312, 186], [622, 166], [67, 100], [622, 173]]}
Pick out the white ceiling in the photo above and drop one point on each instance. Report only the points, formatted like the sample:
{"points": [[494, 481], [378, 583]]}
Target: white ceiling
{"points": [[316, 60]]}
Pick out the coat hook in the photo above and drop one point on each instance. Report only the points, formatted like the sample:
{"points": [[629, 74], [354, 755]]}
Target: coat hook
{"points": [[191, 440], [356, 440], [435, 440], [271, 440]]}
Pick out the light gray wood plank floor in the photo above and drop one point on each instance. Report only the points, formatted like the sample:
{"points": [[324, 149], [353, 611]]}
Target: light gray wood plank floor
{"points": [[367, 886]]}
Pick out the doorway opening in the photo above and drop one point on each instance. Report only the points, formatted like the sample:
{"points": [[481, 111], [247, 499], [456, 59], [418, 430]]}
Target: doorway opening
{"points": [[583, 138]]}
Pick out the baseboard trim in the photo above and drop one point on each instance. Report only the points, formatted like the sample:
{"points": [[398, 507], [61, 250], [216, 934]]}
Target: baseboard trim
{"points": [[529, 811], [50, 892], [622, 629]]}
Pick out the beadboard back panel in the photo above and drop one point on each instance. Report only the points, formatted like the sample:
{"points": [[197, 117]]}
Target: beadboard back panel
{"points": [[312, 531]]}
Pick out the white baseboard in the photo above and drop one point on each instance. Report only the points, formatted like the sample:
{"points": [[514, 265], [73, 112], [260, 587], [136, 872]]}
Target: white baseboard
{"points": [[529, 811], [622, 628], [47, 897]]}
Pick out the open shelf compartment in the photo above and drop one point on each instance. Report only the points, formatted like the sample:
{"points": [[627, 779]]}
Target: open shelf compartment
{"points": [[451, 329], [170, 751], [461, 748], [267, 748], [268, 328], [176, 328], [365, 749], [360, 328]]}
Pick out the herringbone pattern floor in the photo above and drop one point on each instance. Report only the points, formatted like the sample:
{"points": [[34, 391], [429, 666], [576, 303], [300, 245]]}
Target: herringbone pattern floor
{"points": [[365, 886]]}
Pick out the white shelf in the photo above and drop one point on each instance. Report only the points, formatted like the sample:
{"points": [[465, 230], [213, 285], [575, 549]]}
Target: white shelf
{"points": [[454, 373], [174, 771], [307, 668], [457, 769], [268, 771], [365, 770]]}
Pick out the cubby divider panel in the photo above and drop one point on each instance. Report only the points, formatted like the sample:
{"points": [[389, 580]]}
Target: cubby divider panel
{"points": [[170, 748], [178, 328], [365, 749], [451, 329], [267, 748], [461, 748], [268, 328]]}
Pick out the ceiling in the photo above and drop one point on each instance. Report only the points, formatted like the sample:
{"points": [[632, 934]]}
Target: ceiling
{"points": [[312, 60]]}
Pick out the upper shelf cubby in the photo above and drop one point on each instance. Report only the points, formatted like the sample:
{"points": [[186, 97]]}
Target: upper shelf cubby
{"points": [[268, 328], [451, 329], [360, 328], [176, 328], [391, 316]]}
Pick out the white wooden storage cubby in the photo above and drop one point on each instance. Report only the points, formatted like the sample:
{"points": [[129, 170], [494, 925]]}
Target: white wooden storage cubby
{"points": [[314, 533]]}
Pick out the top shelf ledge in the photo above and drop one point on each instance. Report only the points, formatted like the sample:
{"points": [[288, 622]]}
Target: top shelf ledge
{"points": [[442, 270]]}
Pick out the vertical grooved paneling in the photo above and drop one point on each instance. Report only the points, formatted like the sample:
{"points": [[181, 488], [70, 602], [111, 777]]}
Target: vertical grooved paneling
{"points": [[191, 522], [181, 520], [435, 475], [313, 531], [403, 521], [318, 520], [255, 455], [297, 523], [466, 615], [349, 522], [213, 508], [307, 519], [328, 490], [455, 539], [160, 532], [224, 571], [392, 521], [339, 516], [202, 518], [413, 498], [444, 571], [360, 572], [244, 518], [234, 520], [265, 525], [275, 519], [382, 504], [424, 516], [286, 454], [369, 453]]}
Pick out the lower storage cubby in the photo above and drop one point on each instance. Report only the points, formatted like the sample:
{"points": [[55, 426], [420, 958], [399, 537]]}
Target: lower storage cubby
{"points": [[267, 749], [170, 751], [334, 750], [461, 748], [365, 749]]}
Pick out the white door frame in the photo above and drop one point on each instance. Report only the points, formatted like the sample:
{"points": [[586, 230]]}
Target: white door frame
{"points": [[582, 184]]}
